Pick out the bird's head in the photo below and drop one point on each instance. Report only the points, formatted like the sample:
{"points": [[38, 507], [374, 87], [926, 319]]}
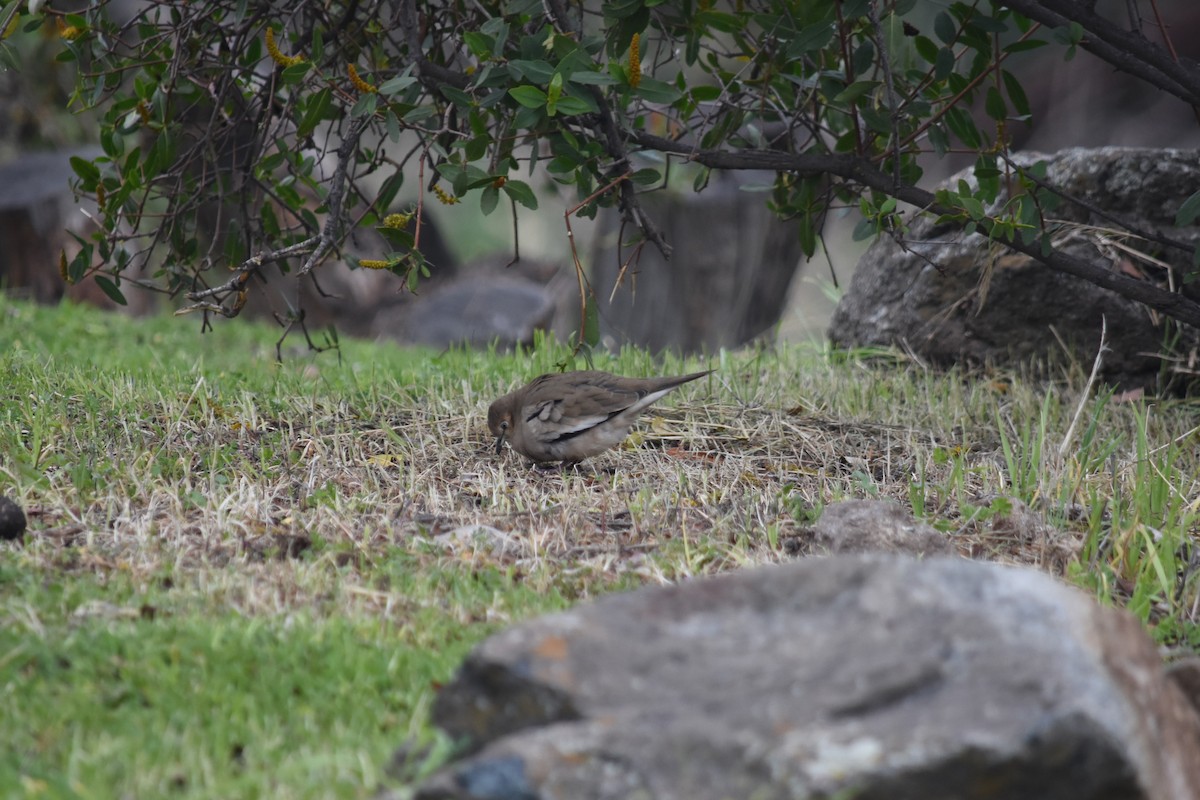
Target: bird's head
{"points": [[500, 420]]}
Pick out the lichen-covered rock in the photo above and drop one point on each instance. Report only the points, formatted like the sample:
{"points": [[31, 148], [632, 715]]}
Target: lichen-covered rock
{"points": [[850, 676], [951, 298]]}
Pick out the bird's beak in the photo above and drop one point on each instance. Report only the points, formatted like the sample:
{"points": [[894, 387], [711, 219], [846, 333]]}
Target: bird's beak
{"points": [[499, 443]]}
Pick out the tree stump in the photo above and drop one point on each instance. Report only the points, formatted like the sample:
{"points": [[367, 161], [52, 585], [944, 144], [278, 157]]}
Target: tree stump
{"points": [[33, 193], [725, 284]]}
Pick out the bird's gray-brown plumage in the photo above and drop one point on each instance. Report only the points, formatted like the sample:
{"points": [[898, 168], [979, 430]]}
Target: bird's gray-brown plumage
{"points": [[571, 416]]}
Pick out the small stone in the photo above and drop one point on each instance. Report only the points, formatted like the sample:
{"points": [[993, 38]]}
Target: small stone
{"points": [[878, 526], [12, 520]]}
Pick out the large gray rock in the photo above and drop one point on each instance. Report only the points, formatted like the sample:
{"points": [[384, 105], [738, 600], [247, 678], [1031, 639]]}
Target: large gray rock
{"points": [[952, 298], [854, 676]]}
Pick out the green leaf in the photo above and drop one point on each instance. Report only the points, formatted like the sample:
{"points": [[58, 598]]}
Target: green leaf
{"points": [[809, 40], [456, 96], [863, 58], [389, 190], [79, 265], [316, 107], [536, 71], [647, 177], [972, 206], [419, 113], [878, 121], [522, 193], [365, 105], [571, 106], [318, 46], [393, 126], [807, 235], [944, 27], [994, 104], [294, 74], [855, 91], [988, 24], [528, 96], [1026, 44], [591, 78], [961, 125], [488, 200], [112, 142], [726, 23], [111, 289], [926, 49], [653, 91], [88, 172], [479, 44], [591, 323], [476, 148], [863, 230], [1016, 94], [1188, 211], [393, 86], [943, 64], [472, 177]]}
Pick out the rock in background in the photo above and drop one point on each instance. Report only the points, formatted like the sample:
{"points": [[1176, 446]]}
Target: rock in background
{"points": [[953, 298]]}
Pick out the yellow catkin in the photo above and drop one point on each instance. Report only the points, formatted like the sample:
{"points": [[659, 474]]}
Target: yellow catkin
{"points": [[276, 55], [68, 32], [396, 220], [445, 197], [143, 111], [100, 195], [371, 263], [362, 86], [635, 62], [62, 267]]}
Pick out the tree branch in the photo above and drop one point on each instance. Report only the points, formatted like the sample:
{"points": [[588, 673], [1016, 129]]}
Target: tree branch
{"points": [[331, 233], [1126, 50], [432, 75], [614, 143], [860, 171]]}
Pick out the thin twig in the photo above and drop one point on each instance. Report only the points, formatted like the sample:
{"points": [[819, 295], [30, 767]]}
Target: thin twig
{"points": [[332, 232], [889, 84], [614, 143], [1087, 389]]}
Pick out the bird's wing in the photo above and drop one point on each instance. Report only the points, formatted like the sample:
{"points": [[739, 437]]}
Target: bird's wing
{"points": [[562, 407]]}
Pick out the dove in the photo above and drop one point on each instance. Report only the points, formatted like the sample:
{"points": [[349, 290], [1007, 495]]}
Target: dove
{"points": [[570, 416]]}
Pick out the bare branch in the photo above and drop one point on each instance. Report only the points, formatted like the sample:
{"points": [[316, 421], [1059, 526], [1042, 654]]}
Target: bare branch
{"points": [[614, 143], [1126, 50], [331, 234], [862, 172], [431, 74]]}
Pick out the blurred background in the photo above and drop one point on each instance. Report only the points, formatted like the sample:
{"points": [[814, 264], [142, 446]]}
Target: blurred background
{"points": [[737, 273]]}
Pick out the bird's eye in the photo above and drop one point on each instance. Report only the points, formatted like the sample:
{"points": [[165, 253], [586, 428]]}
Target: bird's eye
{"points": [[504, 425]]}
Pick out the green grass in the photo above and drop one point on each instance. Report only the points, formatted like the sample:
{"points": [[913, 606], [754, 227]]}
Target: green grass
{"points": [[146, 690], [245, 578]]}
